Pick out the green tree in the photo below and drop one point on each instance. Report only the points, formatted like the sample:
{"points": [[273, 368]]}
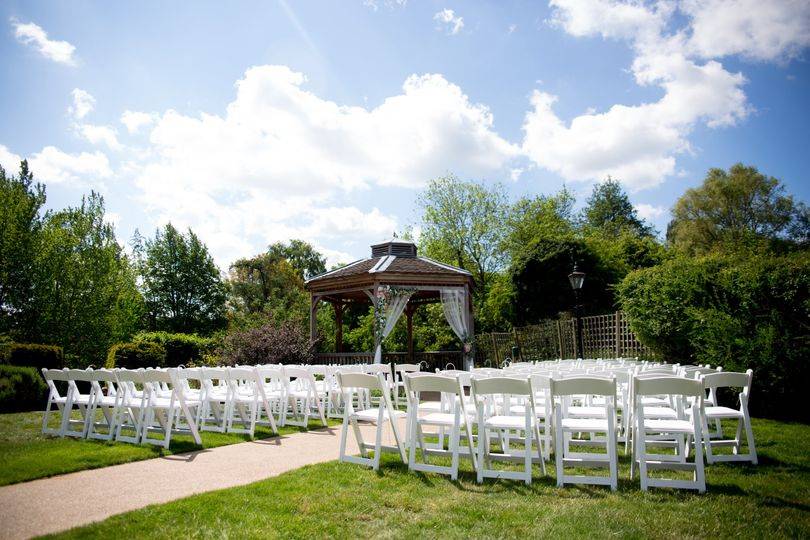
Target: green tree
{"points": [[267, 284], [20, 223], [304, 258], [530, 219], [464, 224], [734, 209], [85, 293], [609, 210], [181, 283]]}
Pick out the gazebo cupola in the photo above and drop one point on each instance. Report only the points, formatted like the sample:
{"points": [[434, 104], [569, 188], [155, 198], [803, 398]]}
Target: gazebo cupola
{"points": [[395, 280]]}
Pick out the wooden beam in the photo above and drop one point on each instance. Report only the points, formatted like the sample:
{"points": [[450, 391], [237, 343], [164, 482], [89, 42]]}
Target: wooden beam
{"points": [[410, 309], [313, 316], [338, 326]]}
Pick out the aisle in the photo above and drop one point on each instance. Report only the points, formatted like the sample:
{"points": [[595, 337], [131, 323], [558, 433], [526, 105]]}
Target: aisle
{"points": [[63, 502]]}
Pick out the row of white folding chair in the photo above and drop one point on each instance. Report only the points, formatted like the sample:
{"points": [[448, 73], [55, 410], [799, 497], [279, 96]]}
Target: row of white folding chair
{"points": [[132, 401]]}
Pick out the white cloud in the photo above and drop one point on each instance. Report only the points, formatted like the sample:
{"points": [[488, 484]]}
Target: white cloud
{"points": [[52, 165], [512, 28], [449, 21], [636, 143], [757, 29], [650, 212], [35, 36], [135, 120], [83, 103], [390, 4], [272, 166], [96, 135]]}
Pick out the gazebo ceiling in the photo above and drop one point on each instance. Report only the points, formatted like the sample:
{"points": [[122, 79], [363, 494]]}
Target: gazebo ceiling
{"points": [[394, 262]]}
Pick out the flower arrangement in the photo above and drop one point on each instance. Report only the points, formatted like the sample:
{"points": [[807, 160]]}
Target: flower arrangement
{"points": [[385, 294]]}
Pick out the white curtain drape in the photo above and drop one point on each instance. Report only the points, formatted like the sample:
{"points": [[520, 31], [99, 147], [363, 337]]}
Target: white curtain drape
{"points": [[454, 302], [393, 311]]}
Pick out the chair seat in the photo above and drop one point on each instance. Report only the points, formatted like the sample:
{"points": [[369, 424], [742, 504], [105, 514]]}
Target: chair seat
{"points": [[584, 424], [506, 422], [430, 406], [81, 399], [660, 412], [586, 412], [106, 401], [655, 401], [438, 419], [245, 398], [371, 415], [521, 410], [723, 412], [668, 426]]}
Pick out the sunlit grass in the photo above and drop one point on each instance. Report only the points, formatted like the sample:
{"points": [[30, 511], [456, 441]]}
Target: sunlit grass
{"points": [[332, 499]]}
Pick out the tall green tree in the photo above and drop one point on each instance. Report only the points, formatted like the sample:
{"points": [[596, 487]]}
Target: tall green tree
{"points": [[85, 292], [269, 285], [304, 258], [20, 223], [532, 218], [609, 210], [735, 209], [464, 224], [181, 283]]}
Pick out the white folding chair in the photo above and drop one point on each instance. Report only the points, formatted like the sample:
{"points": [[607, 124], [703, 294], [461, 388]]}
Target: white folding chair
{"points": [[602, 421], [350, 383], [244, 400], [271, 394], [82, 402], [129, 416], [303, 397], [215, 399], [55, 398], [107, 402], [728, 379], [451, 419], [399, 379], [493, 398], [681, 390]]}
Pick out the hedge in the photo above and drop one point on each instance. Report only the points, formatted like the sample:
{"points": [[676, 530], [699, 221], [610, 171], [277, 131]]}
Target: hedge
{"points": [[21, 389], [32, 355], [135, 355], [738, 314], [181, 349]]}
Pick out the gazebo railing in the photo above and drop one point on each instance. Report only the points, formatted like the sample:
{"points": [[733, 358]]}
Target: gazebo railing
{"points": [[430, 360]]}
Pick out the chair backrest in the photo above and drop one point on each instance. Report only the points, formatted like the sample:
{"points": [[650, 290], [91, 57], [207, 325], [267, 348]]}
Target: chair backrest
{"points": [[130, 375], [671, 385], [432, 383], [385, 369], [55, 374], [85, 375], [359, 380], [157, 376], [592, 386], [725, 379], [241, 374], [407, 368], [502, 385]]}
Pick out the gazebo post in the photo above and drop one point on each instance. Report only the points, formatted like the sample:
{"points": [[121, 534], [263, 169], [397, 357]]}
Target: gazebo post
{"points": [[338, 326], [410, 309], [313, 316], [472, 329]]}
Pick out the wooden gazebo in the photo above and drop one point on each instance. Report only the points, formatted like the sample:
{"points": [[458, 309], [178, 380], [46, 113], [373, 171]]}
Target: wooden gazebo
{"points": [[394, 264]]}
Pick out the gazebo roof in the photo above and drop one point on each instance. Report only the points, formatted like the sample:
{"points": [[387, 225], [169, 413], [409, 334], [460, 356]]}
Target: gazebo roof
{"points": [[392, 262]]}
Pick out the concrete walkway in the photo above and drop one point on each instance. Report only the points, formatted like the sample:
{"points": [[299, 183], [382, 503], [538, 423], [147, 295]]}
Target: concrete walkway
{"points": [[62, 502]]}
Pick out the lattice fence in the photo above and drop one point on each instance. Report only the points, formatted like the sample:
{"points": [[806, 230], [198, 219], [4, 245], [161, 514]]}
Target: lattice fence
{"points": [[603, 336]]}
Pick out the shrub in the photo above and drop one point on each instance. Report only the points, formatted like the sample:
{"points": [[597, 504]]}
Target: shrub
{"points": [[32, 355], [739, 314], [21, 389], [135, 355], [181, 349], [284, 343]]}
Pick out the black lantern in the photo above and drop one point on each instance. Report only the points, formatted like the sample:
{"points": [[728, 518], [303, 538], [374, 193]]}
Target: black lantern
{"points": [[577, 280]]}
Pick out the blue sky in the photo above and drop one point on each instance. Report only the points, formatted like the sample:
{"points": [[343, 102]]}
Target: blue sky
{"points": [[253, 122]]}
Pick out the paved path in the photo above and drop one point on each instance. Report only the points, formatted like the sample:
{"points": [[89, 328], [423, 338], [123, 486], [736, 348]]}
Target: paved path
{"points": [[62, 502]]}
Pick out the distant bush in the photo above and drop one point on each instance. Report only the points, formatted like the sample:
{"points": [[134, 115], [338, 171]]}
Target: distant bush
{"points": [[739, 314], [21, 389], [142, 354], [283, 343], [32, 355], [181, 349]]}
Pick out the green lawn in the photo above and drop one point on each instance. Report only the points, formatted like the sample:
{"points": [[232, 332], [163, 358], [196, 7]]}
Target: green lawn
{"points": [[27, 454], [347, 501]]}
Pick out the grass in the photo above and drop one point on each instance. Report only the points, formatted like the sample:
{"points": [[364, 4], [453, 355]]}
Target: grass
{"points": [[332, 499], [27, 454]]}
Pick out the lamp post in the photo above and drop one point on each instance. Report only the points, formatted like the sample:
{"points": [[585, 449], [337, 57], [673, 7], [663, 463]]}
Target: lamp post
{"points": [[577, 280]]}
